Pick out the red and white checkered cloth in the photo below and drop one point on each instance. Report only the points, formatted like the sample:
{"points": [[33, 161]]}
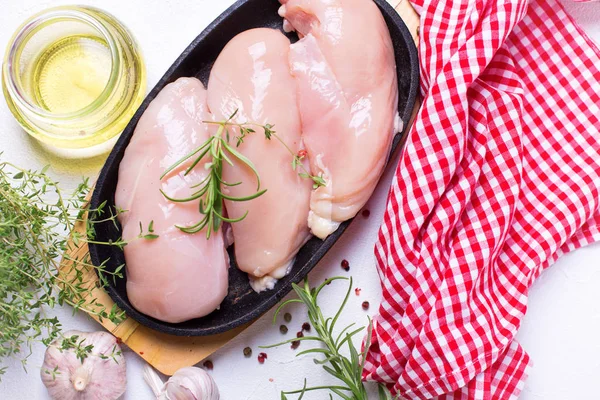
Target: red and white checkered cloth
{"points": [[500, 176]]}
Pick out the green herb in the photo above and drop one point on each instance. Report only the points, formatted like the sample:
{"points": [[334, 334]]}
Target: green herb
{"points": [[37, 219], [318, 181], [384, 394], [81, 351], [209, 190], [331, 344], [54, 372], [215, 151]]}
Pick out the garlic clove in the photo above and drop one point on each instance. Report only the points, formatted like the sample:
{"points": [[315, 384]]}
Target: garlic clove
{"points": [[192, 381], [189, 383], [154, 381], [101, 374]]}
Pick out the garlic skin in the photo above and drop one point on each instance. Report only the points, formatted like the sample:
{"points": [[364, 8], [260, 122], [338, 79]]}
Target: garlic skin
{"points": [[189, 383], [67, 378]]}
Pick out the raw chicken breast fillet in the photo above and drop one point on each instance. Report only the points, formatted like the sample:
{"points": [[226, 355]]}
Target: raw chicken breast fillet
{"points": [[348, 97], [252, 75], [178, 276]]}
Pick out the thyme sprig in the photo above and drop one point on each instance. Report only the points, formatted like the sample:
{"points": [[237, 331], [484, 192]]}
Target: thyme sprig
{"points": [[83, 351], [37, 220], [331, 344]]}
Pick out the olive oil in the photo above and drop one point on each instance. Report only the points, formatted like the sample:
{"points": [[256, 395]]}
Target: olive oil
{"points": [[73, 77], [70, 74]]}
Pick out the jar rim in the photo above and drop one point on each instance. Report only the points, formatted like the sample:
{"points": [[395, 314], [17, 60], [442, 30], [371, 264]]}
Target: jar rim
{"points": [[28, 28]]}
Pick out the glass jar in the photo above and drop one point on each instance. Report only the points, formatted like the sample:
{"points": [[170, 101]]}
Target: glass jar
{"points": [[73, 77]]}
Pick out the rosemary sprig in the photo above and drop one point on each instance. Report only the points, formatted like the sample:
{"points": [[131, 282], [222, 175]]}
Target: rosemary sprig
{"points": [[331, 344], [209, 190], [37, 220]]}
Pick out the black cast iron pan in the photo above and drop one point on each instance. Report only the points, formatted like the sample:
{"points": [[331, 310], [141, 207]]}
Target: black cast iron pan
{"points": [[242, 304]]}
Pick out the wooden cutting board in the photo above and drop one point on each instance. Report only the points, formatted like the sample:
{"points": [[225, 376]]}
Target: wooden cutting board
{"points": [[164, 352]]}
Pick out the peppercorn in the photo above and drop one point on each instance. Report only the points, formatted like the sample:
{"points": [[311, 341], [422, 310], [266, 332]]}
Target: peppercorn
{"points": [[208, 364], [247, 352], [283, 329], [345, 265], [306, 327], [262, 357], [365, 305], [287, 317], [366, 213], [295, 344]]}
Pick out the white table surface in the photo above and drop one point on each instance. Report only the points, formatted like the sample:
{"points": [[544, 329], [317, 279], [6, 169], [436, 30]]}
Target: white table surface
{"points": [[561, 330]]}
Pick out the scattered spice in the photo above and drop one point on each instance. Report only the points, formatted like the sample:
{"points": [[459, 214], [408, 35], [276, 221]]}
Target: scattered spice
{"points": [[366, 213], [141, 353], [262, 357], [271, 379], [345, 265], [365, 305], [247, 352], [287, 317], [283, 329], [306, 327], [299, 334], [295, 344], [357, 291], [302, 153], [208, 365]]}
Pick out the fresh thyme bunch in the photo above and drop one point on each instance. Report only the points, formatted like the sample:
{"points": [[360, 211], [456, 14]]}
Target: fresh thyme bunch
{"points": [[37, 219], [331, 344]]}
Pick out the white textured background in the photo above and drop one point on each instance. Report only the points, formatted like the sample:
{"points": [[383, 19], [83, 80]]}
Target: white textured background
{"points": [[561, 330]]}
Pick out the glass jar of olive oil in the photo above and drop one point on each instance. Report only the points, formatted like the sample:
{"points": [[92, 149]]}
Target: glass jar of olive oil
{"points": [[73, 77]]}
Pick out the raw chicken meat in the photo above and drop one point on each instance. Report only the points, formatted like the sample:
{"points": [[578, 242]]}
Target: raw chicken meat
{"points": [[178, 276], [348, 97], [252, 75]]}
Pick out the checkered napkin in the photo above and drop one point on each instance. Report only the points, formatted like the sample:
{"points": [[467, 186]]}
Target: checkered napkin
{"points": [[500, 176]]}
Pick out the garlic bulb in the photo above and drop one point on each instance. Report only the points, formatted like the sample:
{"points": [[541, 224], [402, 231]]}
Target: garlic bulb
{"points": [[84, 366], [189, 383]]}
